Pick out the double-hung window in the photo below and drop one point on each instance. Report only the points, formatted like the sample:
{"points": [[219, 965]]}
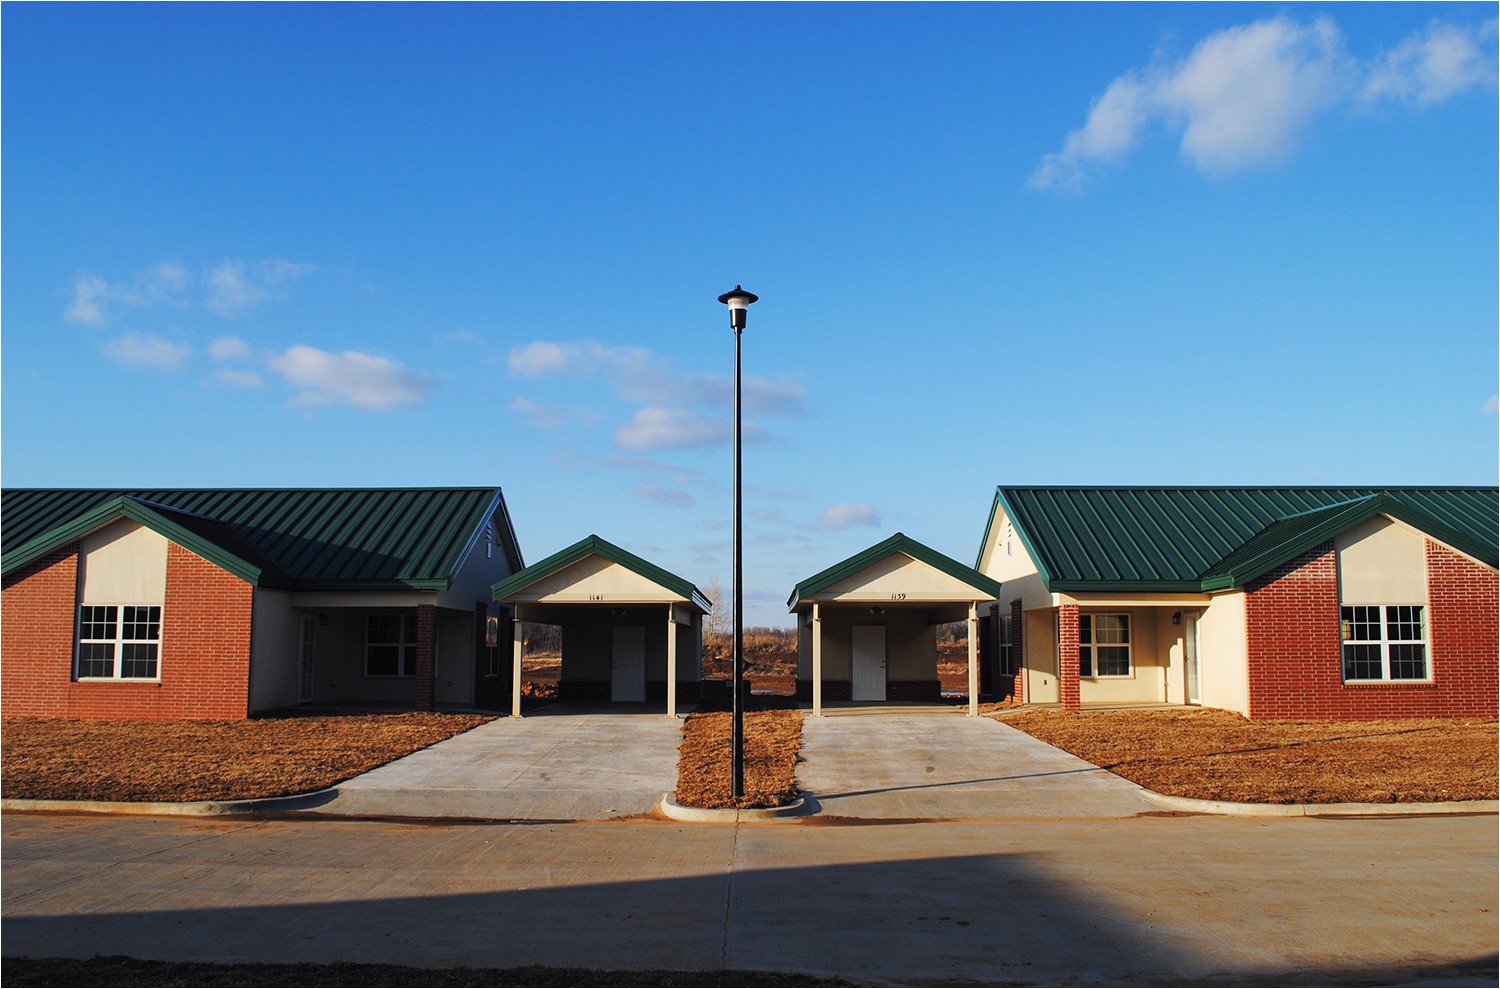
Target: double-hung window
{"points": [[391, 646], [1384, 642], [119, 641], [1104, 645]]}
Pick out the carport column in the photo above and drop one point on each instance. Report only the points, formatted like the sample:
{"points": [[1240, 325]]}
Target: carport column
{"points": [[973, 659], [515, 665], [671, 660], [817, 670], [426, 656], [1067, 657]]}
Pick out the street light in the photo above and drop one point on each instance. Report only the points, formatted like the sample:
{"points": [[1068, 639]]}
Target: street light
{"points": [[738, 302]]}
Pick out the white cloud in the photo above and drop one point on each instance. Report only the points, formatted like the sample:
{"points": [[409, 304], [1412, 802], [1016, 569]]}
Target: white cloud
{"points": [[227, 348], [147, 350], [1441, 63], [656, 428], [238, 378], [548, 417], [232, 288], [90, 293], [1492, 405], [638, 374], [659, 495], [837, 518], [351, 378], [1245, 95]]}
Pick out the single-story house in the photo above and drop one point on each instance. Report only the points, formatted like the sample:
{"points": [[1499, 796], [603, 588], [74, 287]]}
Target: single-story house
{"points": [[631, 631], [867, 627], [221, 603], [1284, 602]]}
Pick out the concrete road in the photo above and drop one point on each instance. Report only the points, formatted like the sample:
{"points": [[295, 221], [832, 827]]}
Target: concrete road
{"points": [[1150, 899]]}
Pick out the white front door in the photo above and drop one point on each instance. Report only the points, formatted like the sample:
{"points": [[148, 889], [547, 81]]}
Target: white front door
{"points": [[305, 659], [1190, 656], [869, 663], [628, 664]]}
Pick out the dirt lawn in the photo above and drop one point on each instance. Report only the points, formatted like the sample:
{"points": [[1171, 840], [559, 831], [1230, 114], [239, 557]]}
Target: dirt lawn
{"points": [[773, 737], [1218, 755], [49, 759]]}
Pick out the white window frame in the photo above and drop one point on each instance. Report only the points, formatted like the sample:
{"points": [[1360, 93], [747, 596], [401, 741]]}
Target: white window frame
{"points": [[117, 641], [1092, 646], [406, 652], [1348, 625]]}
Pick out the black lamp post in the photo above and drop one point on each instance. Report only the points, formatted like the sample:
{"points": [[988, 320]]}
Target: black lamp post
{"points": [[738, 302]]}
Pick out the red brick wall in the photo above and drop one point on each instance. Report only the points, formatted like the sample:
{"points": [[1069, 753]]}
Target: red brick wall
{"points": [[1295, 653], [1067, 657], [204, 659], [1463, 607]]}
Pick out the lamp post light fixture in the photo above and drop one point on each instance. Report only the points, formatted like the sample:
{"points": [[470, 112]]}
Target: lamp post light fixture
{"points": [[738, 302]]}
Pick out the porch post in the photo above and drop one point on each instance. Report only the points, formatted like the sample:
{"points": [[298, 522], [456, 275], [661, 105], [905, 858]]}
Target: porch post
{"points": [[426, 656], [973, 659], [515, 665], [1067, 658], [671, 660], [817, 661]]}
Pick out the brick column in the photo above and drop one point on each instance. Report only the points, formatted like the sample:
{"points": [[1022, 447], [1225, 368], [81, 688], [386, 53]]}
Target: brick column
{"points": [[1067, 657], [426, 656], [1017, 650]]}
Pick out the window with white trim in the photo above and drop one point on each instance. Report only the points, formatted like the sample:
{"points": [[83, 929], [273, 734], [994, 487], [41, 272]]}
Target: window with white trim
{"points": [[1384, 642], [119, 641], [1104, 645], [391, 646]]}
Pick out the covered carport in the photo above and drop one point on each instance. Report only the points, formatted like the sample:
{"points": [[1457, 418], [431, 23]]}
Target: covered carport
{"points": [[631, 631], [867, 627]]}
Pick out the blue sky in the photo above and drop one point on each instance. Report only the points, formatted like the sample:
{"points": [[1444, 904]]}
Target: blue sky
{"points": [[308, 245]]}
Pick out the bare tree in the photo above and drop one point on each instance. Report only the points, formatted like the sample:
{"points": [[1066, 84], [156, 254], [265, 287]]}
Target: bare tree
{"points": [[716, 622]]}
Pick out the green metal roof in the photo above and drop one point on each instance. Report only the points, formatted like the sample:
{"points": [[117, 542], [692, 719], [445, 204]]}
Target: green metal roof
{"points": [[1200, 539], [594, 546], [899, 543], [356, 538]]}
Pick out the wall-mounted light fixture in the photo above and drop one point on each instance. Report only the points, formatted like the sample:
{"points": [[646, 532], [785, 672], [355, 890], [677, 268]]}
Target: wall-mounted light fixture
{"points": [[323, 618], [1176, 618], [877, 611]]}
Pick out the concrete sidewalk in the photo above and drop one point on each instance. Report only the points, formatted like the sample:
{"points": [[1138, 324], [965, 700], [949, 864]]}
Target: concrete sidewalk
{"points": [[558, 763], [926, 763], [1137, 901]]}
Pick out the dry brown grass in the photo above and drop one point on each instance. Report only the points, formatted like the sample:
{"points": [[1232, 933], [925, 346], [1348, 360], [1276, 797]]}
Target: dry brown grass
{"points": [[1218, 755], [772, 739], [50, 759]]}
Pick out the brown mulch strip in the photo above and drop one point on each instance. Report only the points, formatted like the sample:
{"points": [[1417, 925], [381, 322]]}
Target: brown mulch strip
{"points": [[773, 736], [51, 759], [118, 970], [1219, 755]]}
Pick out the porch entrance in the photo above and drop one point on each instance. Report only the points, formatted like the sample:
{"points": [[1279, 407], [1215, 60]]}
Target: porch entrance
{"points": [[868, 680]]}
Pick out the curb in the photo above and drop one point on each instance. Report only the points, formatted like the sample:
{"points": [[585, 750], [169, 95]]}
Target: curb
{"points": [[196, 808], [786, 814], [1232, 808]]}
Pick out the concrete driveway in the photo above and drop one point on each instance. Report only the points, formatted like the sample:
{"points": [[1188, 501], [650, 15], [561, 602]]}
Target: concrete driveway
{"points": [[556, 764], [932, 762]]}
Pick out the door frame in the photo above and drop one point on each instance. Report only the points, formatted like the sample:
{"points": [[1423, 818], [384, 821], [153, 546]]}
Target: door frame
{"points": [[306, 653], [1192, 658]]}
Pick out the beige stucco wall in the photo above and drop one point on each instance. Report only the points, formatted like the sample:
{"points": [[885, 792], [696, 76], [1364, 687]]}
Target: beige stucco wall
{"points": [[1003, 558], [594, 580], [1039, 642], [123, 563], [1223, 666], [275, 650], [1382, 562]]}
